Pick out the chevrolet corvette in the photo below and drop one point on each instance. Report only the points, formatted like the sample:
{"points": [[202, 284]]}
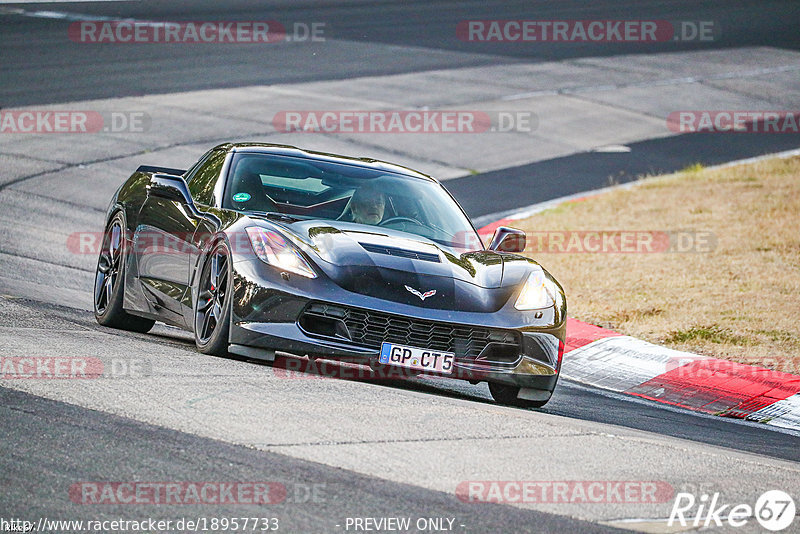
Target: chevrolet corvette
{"points": [[259, 248]]}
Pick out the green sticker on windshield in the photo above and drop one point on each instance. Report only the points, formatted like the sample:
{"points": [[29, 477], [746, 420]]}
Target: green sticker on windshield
{"points": [[241, 197]]}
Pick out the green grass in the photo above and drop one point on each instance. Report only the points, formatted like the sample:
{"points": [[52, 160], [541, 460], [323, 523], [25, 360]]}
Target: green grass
{"points": [[694, 167], [779, 336], [712, 333]]}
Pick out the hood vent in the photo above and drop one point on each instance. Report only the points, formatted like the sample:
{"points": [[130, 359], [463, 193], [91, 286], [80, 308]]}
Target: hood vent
{"points": [[400, 252]]}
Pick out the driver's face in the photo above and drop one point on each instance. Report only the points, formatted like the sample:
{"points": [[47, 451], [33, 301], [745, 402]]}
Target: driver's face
{"points": [[368, 208]]}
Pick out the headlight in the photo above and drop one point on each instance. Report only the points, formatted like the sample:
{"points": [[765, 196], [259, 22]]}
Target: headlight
{"points": [[272, 248], [538, 292]]}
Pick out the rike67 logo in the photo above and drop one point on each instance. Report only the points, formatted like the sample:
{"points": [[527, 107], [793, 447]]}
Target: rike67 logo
{"points": [[774, 510]]}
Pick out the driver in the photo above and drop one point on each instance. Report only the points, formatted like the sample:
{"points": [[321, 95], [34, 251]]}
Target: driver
{"points": [[368, 204]]}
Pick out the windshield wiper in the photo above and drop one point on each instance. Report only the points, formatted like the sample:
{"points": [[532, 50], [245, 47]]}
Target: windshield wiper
{"points": [[283, 217]]}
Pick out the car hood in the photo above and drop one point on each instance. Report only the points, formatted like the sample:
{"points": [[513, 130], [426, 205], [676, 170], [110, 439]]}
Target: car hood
{"points": [[410, 269]]}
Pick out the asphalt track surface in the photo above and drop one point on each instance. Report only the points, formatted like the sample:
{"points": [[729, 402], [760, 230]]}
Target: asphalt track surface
{"points": [[56, 440], [488, 193], [50, 444], [39, 68], [571, 399]]}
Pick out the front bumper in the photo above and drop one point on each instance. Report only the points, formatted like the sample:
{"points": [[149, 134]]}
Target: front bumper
{"points": [[269, 312]]}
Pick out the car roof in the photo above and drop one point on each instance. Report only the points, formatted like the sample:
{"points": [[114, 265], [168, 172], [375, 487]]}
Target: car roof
{"points": [[293, 151]]}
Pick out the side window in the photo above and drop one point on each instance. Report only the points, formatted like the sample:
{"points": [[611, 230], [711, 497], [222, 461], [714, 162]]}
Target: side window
{"points": [[202, 182], [188, 175]]}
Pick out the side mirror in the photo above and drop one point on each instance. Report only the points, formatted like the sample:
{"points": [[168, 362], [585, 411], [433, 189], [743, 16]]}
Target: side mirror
{"points": [[507, 239], [170, 187]]}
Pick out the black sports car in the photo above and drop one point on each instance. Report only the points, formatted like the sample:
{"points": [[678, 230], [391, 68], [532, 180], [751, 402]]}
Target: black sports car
{"points": [[260, 248]]}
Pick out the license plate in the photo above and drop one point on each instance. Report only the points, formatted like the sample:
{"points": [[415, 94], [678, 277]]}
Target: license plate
{"points": [[419, 359]]}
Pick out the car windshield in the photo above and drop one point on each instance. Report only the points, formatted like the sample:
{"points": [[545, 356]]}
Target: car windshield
{"points": [[305, 188]]}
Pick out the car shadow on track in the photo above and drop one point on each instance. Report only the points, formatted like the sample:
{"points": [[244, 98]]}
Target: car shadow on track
{"points": [[286, 366]]}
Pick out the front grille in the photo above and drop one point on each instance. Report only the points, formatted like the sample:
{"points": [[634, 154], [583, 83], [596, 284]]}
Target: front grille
{"points": [[369, 329], [400, 252]]}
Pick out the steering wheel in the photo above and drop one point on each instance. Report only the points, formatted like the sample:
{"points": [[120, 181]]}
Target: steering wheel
{"points": [[400, 219]]}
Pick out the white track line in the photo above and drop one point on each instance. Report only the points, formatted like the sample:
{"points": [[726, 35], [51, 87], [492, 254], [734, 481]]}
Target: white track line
{"points": [[62, 15]]}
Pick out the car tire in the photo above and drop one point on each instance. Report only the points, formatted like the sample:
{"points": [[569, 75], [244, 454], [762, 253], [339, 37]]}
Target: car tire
{"points": [[109, 282], [506, 394], [212, 307]]}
